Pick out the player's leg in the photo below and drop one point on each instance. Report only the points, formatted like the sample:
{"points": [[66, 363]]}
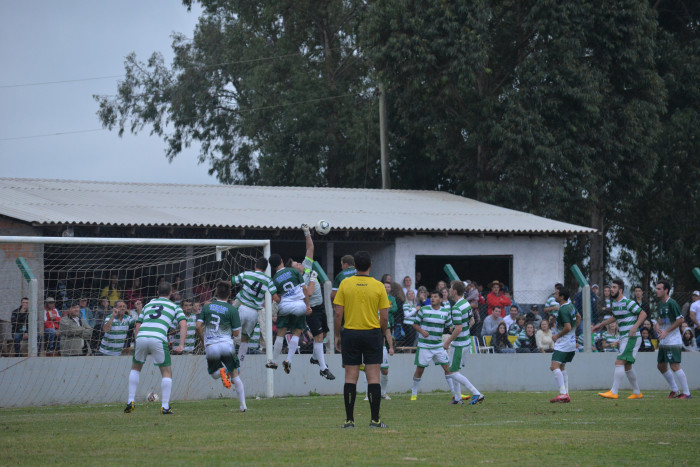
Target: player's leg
{"points": [[462, 380], [556, 369], [455, 364], [243, 347], [629, 354], [352, 359], [662, 366], [372, 345], [232, 365], [384, 373], [215, 366], [279, 341], [137, 361], [566, 377], [318, 324], [293, 344], [680, 374], [161, 358], [249, 318]]}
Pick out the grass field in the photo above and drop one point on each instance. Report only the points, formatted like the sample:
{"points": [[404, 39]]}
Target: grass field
{"points": [[508, 428]]}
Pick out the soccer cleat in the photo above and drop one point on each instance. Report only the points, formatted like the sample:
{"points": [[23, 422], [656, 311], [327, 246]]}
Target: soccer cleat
{"points": [[327, 374], [129, 407], [635, 396], [377, 424], [608, 395], [271, 365], [465, 398], [561, 398], [243, 408], [414, 397], [456, 402], [348, 424], [367, 397], [386, 397], [287, 365], [314, 361], [224, 378], [476, 399], [165, 411], [672, 395], [685, 396]]}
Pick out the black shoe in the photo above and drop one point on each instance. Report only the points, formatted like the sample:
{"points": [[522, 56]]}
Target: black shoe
{"points": [[327, 374], [129, 407], [377, 424], [348, 424], [270, 364], [314, 361], [166, 411], [287, 365]]}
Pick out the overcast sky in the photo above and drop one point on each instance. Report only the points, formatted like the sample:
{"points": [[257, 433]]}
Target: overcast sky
{"points": [[47, 40]]}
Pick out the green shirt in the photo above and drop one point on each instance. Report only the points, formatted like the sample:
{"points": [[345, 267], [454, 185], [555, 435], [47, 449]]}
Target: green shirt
{"points": [[289, 282], [461, 314], [434, 322], [567, 314], [219, 319], [254, 285], [157, 317], [669, 312], [626, 313], [393, 308], [409, 313], [190, 336], [345, 273], [113, 340]]}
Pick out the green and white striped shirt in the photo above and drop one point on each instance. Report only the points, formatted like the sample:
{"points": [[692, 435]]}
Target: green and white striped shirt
{"points": [[409, 313], [254, 342], [113, 340], [157, 317], [461, 314], [255, 284], [190, 337], [551, 301], [626, 312], [434, 322]]}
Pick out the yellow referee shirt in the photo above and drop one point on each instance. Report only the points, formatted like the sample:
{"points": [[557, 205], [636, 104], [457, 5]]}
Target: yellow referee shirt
{"points": [[362, 297]]}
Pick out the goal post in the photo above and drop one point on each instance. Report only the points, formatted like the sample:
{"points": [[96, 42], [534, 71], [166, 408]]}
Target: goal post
{"points": [[32, 319]]}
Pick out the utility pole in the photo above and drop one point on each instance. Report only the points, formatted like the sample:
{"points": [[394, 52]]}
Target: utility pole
{"points": [[386, 180]]}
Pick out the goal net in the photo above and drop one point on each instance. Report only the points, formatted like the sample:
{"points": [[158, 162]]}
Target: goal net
{"points": [[95, 274]]}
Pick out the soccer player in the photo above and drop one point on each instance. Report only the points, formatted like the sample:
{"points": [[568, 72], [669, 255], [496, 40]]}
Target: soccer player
{"points": [[670, 342], [629, 316], [564, 342], [116, 327], [188, 309], [151, 338], [462, 320], [347, 264], [217, 324], [317, 321], [251, 297], [430, 321], [357, 301], [292, 309]]}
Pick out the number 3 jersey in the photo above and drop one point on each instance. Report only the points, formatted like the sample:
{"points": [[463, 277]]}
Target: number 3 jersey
{"points": [[157, 317], [219, 319]]}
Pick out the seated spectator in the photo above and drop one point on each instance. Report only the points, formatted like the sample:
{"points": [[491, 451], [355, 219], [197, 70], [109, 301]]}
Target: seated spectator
{"points": [[202, 291], [116, 330], [133, 294], [689, 343], [650, 326], [86, 313], [19, 322], [610, 338], [500, 341], [509, 295], [533, 316], [497, 298], [580, 344], [408, 285], [646, 345], [100, 313], [552, 324], [112, 291], [52, 320], [491, 323], [471, 294], [74, 332], [527, 343], [519, 325], [512, 316], [543, 336]]}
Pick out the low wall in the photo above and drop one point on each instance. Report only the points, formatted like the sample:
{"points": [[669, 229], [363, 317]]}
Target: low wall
{"points": [[90, 380]]}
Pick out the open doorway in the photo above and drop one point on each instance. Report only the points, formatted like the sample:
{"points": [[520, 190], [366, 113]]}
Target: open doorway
{"points": [[482, 269]]}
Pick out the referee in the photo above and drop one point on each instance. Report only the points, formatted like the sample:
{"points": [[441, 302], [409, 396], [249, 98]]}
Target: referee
{"points": [[362, 302]]}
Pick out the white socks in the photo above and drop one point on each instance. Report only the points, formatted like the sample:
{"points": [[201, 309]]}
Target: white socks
{"points": [[414, 388], [617, 380], [242, 351], [632, 377], [451, 383], [216, 374], [671, 382], [133, 385], [459, 378], [680, 374], [383, 381], [293, 346], [566, 381], [559, 378], [318, 353], [166, 385], [277, 347], [240, 391]]}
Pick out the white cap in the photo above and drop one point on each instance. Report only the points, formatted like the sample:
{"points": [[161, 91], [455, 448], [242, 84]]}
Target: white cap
{"points": [[696, 292]]}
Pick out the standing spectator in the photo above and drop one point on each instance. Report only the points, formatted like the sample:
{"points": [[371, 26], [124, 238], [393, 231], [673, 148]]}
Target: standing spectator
{"points": [[408, 285], [500, 341], [74, 331], [513, 303], [527, 343], [639, 298], [410, 308], [51, 325], [551, 306], [472, 294], [578, 303], [497, 298], [534, 317], [86, 312], [423, 298], [543, 337], [176, 294], [191, 318], [116, 330], [347, 265], [512, 316], [111, 291], [610, 338], [491, 323], [202, 291], [100, 314], [553, 324], [386, 279], [694, 313], [397, 328], [134, 293], [20, 327], [605, 304]]}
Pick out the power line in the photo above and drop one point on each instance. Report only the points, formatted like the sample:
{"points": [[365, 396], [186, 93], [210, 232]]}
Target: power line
{"points": [[21, 85], [52, 134]]}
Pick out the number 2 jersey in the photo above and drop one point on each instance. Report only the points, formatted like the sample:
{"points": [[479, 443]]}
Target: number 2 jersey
{"points": [[219, 319], [157, 317]]}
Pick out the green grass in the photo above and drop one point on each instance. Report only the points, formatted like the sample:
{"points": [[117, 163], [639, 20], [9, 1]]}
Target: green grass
{"points": [[508, 428]]}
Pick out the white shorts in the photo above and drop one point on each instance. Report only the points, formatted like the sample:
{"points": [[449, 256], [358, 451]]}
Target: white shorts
{"points": [[249, 318], [385, 359], [425, 356], [292, 307], [217, 349], [156, 348]]}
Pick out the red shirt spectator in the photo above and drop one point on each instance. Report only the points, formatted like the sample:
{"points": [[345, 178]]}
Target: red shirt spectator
{"points": [[133, 294], [202, 292], [52, 317], [497, 298]]}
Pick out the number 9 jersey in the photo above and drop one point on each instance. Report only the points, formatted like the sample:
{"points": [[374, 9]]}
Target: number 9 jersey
{"points": [[219, 319], [157, 317]]}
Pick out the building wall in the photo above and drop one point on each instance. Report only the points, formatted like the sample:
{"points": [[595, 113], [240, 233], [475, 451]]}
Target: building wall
{"points": [[382, 256], [538, 262], [12, 285]]}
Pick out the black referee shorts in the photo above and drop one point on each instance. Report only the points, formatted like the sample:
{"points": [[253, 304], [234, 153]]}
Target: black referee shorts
{"points": [[362, 346], [317, 321]]}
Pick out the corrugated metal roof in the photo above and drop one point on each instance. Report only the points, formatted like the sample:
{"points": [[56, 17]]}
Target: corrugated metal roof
{"points": [[159, 204]]}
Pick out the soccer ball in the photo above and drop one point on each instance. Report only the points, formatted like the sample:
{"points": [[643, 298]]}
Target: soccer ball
{"points": [[153, 397], [323, 227]]}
